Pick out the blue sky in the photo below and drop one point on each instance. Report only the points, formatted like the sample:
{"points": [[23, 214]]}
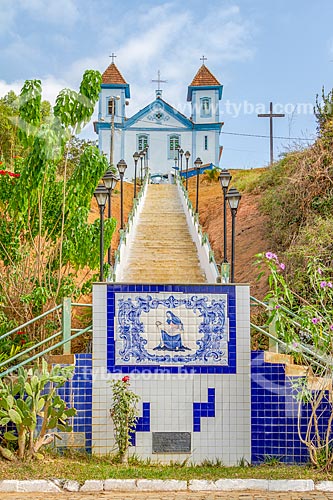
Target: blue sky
{"points": [[260, 50]]}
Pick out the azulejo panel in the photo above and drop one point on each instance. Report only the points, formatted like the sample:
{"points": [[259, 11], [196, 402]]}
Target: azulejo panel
{"points": [[171, 327]]}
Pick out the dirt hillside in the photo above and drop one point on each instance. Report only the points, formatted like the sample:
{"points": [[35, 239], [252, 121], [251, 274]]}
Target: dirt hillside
{"points": [[250, 238]]}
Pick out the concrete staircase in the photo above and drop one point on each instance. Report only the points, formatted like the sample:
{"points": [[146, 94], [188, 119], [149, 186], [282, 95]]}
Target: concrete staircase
{"points": [[162, 250]]}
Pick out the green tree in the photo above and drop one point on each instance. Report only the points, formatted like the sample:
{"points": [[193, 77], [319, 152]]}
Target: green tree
{"points": [[10, 146], [45, 236]]}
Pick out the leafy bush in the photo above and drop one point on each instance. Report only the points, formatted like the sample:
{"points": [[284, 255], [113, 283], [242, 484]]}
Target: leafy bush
{"points": [[27, 397], [124, 414]]}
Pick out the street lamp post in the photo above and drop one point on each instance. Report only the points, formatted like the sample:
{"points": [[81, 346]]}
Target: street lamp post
{"points": [[146, 153], [142, 155], [177, 149], [233, 198], [176, 163], [225, 178], [181, 152], [101, 195], [110, 182], [197, 164], [121, 166], [136, 157], [113, 100], [187, 157]]}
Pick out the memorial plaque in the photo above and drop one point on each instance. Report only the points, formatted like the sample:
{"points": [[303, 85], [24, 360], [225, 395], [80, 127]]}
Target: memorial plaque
{"points": [[171, 442], [70, 440]]}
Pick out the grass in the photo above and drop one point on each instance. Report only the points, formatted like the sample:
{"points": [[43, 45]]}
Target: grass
{"points": [[83, 467], [246, 180]]}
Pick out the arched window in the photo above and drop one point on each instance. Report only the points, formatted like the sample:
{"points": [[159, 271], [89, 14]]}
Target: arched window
{"points": [[112, 106], [205, 106], [174, 142], [141, 142]]}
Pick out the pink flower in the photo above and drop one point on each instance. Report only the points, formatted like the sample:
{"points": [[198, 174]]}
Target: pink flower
{"points": [[125, 379], [315, 320], [329, 284], [269, 255], [331, 327], [319, 271], [323, 284], [277, 306], [282, 266]]}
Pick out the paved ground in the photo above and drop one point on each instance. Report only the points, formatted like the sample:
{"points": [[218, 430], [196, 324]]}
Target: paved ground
{"points": [[240, 495]]}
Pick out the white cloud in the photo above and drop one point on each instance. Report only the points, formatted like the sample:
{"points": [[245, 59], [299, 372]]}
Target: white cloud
{"points": [[50, 85], [169, 36], [6, 87], [64, 12]]}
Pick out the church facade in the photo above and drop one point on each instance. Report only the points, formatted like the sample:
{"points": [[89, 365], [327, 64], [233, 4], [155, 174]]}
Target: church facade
{"points": [[159, 125]]}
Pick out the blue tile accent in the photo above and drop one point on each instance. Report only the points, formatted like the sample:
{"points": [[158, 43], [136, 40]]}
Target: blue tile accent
{"points": [[78, 393], [203, 410], [142, 424], [274, 414], [179, 367]]}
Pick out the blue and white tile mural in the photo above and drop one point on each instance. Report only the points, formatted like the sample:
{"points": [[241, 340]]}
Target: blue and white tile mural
{"points": [[171, 328]]}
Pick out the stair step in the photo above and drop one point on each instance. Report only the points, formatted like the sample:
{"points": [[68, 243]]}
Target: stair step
{"points": [[297, 370], [278, 358], [162, 250]]}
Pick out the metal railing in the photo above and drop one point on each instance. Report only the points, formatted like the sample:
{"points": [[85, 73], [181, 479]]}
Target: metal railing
{"points": [[67, 334], [307, 351]]}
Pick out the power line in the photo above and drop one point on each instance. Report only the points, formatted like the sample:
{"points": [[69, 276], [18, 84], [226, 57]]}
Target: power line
{"points": [[267, 136], [222, 132]]}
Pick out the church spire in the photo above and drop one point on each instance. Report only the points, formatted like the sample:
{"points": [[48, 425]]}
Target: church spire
{"points": [[204, 77], [112, 74]]}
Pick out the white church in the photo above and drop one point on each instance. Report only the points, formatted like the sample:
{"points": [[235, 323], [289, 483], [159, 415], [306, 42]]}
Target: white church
{"points": [[159, 125]]}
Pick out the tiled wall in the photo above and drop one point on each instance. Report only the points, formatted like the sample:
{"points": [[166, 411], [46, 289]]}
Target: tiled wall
{"points": [[78, 393], [208, 405], [274, 408], [212, 404], [190, 368]]}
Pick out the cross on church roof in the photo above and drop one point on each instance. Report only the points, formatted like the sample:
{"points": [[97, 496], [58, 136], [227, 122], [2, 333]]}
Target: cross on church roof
{"points": [[203, 59], [113, 56], [159, 81]]}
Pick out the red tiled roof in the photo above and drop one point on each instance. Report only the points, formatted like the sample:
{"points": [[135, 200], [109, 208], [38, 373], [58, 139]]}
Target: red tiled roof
{"points": [[204, 77], [113, 75]]}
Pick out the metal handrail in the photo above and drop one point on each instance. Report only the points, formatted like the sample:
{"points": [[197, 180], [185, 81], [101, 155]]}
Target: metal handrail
{"points": [[66, 332], [307, 353], [29, 349], [49, 349], [31, 321]]}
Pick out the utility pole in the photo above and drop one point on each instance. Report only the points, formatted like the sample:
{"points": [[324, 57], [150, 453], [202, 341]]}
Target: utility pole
{"points": [[112, 132], [271, 115]]}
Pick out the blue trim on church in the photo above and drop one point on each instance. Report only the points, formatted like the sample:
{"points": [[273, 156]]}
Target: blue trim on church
{"points": [[192, 88], [124, 86], [150, 108], [208, 126]]}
